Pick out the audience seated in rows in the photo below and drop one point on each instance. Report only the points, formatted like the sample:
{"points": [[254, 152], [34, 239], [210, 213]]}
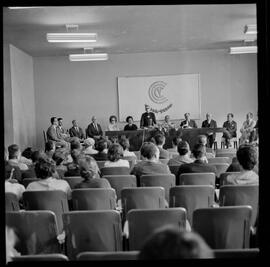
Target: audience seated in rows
{"points": [[115, 153], [102, 148], [124, 142], [247, 158], [88, 172], [73, 167], [45, 167], [160, 141], [199, 165], [14, 155], [171, 243], [31, 173], [89, 145], [11, 171], [184, 154]]}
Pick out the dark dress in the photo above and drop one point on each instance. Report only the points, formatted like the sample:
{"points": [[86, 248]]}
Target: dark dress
{"points": [[133, 127]]}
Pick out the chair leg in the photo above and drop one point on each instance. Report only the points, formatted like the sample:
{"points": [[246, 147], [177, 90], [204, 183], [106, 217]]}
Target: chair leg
{"points": [[222, 145]]}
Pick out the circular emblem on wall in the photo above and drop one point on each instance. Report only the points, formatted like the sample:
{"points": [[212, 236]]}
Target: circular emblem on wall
{"points": [[155, 94]]}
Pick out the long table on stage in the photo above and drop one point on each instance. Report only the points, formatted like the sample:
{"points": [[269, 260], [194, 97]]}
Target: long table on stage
{"points": [[136, 138]]}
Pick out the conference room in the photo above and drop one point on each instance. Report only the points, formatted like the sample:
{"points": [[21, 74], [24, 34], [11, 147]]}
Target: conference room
{"points": [[74, 63]]}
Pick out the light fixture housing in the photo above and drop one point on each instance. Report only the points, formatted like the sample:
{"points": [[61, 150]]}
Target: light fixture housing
{"points": [[250, 29], [243, 50], [71, 37], [88, 57]]}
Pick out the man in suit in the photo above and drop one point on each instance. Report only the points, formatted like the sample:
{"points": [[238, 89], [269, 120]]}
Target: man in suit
{"points": [[61, 131], [94, 129], [209, 123], [53, 134], [76, 131], [188, 123], [148, 118], [230, 127]]}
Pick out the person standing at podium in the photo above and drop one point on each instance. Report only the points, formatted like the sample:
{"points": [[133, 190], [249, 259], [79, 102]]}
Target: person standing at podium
{"points": [[209, 123], [148, 119], [188, 123]]}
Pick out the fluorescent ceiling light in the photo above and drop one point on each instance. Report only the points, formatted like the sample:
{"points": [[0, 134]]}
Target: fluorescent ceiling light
{"points": [[69, 37], [250, 29], [243, 50], [25, 7], [88, 57]]}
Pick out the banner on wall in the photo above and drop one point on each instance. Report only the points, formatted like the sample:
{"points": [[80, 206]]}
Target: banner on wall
{"points": [[171, 95]]}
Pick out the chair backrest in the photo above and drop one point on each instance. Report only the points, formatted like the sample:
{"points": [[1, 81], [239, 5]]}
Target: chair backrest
{"points": [[36, 231], [164, 161], [192, 197], [42, 257], [93, 199], [223, 177], [174, 169], [142, 223], [221, 167], [219, 160], [164, 180], [12, 202], [101, 163], [243, 253], [118, 182], [73, 180], [108, 256], [199, 178], [114, 171], [92, 231], [236, 195], [224, 227], [54, 200], [27, 181], [142, 198]]}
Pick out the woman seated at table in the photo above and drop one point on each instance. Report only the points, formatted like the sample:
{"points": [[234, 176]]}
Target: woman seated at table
{"points": [[115, 153], [130, 126], [113, 126]]}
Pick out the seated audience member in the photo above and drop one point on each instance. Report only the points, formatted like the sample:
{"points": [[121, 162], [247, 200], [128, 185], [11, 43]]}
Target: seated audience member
{"points": [[247, 158], [202, 139], [26, 156], [76, 131], [150, 163], [115, 153], [198, 165], [230, 127], [89, 144], [76, 144], [184, 155], [175, 142], [45, 167], [11, 171], [113, 126], [160, 141], [130, 126], [90, 175], [188, 123], [14, 155], [13, 187], [49, 148], [148, 119], [31, 173], [102, 150], [73, 167], [11, 240], [209, 123], [94, 129], [167, 125], [59, 158], [172, 243], [53, 134], [124, 142], [247, 129]]}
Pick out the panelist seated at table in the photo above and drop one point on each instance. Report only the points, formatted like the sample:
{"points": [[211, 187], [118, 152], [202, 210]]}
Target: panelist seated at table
{"points": [[188, 123], [113, 126], [209, 123], [94, 129], [130, 126], [148, 119], [167, 125], [76, 131], [247, 130], [230, 128]]}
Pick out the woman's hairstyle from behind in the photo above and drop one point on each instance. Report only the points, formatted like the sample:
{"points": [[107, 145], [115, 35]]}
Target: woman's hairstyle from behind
{"points": [[170, 242], [115, 152], [247, 156], [148, 150], [36, 155], [124, 142], [112, 117], [101, 145], [176, 140], [45, 167], [87, 168]]}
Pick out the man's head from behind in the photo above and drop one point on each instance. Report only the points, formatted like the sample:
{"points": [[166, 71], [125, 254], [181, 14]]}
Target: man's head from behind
{"points": [[202, 139], [14, 151], [170, 242], [183, 148], [247, 156], [159, 139], [199, 151], [149, 151]]}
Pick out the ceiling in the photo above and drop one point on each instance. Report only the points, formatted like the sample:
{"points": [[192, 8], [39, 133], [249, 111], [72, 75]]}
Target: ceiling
{"points": [[129, 29]]}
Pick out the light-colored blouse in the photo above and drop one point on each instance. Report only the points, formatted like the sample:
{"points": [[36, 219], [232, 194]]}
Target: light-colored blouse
{"points": [[113, 127]]}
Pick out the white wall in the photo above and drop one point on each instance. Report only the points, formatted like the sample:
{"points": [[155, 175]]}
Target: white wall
{"points": [[78, 90], [23, 98]]}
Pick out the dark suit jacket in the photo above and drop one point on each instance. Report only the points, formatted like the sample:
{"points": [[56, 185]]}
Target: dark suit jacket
{"points": [[145, 119], [212, 124], [52, 134], [91, 130], [74, 133], [191, 123]]}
